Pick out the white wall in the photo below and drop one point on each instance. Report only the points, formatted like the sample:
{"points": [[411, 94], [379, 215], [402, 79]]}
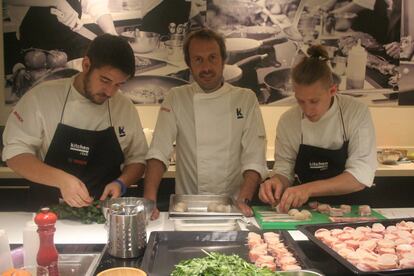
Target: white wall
{"points": [[394, 125]]}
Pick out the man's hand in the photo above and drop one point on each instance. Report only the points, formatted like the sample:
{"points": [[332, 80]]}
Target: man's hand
{"points": [[74, 192], [66, 15], [155, 213], [244, 208], [293, 197], [393, 49], [112, 189], [271, 191]]}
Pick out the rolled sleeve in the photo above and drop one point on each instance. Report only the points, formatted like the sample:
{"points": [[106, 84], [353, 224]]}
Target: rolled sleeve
{"points": [[254, 142], [362, 159], [24, 129], [95, 8], [165, 132]]}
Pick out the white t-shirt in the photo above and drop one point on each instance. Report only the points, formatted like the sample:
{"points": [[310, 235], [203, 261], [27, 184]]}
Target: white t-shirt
{"points": [[218, 136], [328, 133], [31, 125]]}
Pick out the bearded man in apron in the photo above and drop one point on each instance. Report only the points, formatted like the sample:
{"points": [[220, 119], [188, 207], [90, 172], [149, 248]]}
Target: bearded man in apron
{"points": [[327, 141], [89, 136]]}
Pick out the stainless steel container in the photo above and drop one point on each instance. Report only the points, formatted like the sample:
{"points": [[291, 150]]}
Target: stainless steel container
{"points": [[127, 234]]}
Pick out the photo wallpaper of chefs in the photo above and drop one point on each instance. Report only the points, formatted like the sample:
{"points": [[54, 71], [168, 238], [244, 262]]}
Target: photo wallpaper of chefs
{"points": [[264, 38]]}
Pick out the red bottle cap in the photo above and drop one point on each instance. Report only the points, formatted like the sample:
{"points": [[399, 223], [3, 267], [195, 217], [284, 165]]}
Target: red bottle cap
{"points": [[45, 217]]}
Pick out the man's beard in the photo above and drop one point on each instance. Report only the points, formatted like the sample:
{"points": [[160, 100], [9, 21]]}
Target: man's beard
{"points": [[87, 90]]}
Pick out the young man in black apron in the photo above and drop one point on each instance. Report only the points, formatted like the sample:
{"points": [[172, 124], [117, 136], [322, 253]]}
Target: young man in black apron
{"points": [[93, 132], [327, 142]]}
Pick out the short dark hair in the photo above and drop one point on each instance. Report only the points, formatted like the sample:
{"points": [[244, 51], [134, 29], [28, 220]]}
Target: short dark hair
{"points": [[111, 50], [205, 34], [313, 68]]}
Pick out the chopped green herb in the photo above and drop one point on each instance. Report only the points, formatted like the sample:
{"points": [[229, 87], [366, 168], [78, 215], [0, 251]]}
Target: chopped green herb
{"points": [[217, 264], [86, 215]]}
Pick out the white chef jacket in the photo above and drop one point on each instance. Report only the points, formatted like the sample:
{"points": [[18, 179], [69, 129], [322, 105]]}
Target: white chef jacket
{"points": [[218, 135], [31, 125], [328, 133]]}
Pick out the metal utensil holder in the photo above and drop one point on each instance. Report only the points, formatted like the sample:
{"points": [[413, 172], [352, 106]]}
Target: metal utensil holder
{"points": [[127, 236]]}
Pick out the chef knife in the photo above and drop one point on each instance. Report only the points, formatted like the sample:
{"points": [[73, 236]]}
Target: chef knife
{"points": [[83, 31]]}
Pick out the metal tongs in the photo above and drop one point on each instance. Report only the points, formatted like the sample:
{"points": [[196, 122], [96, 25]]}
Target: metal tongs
{"points": [[249, 225]]}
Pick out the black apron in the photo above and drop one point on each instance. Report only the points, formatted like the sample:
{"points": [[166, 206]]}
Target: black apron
{"points": [[168, 11], [95, 157], [315, 163], [41, 29]]}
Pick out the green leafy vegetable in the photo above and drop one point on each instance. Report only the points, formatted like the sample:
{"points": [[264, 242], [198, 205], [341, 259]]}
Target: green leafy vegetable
{"points": [[86, 215], [217, 264]]}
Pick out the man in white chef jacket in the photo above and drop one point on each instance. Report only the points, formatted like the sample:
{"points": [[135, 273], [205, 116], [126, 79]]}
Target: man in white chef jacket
{"points": [[325, 145], [218, 130], [77, 136]]}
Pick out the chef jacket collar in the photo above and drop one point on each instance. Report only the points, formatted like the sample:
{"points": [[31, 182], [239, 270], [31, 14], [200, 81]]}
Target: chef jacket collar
{"points": [[201, 93], [75, 94], [328, 114]]}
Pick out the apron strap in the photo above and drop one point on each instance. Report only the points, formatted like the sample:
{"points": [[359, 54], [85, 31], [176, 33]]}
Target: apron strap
{"points": [[342, 120], [301, 132], [64, 104], [109, 111]]}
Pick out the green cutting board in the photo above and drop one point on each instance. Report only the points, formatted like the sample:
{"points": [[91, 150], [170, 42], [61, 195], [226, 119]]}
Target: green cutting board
{"points": [[316, 218]]}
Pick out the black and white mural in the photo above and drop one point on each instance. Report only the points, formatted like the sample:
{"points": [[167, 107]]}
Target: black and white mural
{"points": [[366, 41]]}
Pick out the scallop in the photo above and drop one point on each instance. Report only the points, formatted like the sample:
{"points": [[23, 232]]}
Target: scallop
{"points": [[299, 216], [293, 212], [212, 207], [307, 213], [220, 208], [181, 207]]}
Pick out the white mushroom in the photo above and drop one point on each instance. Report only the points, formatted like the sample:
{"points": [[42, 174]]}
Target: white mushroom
{"points": [[293, 212], [299, 216], [181, 207], [307, 213]]}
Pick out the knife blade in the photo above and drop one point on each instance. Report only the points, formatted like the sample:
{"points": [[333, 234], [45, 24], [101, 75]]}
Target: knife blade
{"points": [[83, 31]]}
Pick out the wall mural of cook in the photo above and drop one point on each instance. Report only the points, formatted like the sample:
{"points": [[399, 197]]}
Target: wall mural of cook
{"points": [[51, 41], [264, 38], [273, 34]]}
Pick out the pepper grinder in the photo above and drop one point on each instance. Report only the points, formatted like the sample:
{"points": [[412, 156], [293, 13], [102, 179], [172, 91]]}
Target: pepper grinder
{"points": [[47, 255]]}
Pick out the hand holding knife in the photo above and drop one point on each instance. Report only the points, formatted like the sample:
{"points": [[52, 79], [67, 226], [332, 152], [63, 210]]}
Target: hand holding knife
{"points": [[73, 22]]}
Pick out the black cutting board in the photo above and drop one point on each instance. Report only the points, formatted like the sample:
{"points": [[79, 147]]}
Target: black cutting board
{"points": [[167, 248]]}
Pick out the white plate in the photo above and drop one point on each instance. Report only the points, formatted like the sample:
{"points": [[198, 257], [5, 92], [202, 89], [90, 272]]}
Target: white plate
{"points": [[232, 73], [75, 64], [241, 45]]}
